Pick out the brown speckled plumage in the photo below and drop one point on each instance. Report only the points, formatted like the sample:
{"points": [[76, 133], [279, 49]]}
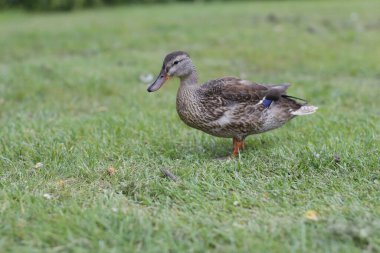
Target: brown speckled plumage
{"points": [[228, 107]]}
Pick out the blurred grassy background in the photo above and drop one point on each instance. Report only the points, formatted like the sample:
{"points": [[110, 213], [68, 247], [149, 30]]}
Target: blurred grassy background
{"points": [[72, 105], [68, 5]]}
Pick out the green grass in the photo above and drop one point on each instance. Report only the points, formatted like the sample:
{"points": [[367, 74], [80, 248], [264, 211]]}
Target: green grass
{"points": [[71, 98]]}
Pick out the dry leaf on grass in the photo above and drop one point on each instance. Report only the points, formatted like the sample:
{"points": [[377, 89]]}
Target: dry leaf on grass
{"points": [[47, 196], [146, 77], [111, 171], [311, 215], [61, 183], [38, 165]]}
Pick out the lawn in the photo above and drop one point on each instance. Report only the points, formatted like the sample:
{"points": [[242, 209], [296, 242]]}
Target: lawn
{"points": [[72, 105]]}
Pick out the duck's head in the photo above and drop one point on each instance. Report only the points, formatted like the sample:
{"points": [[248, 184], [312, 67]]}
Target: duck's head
{"points": [[177, 64]]}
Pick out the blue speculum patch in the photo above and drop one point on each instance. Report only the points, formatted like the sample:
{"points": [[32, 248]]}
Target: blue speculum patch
{"points": [[267, 103]]}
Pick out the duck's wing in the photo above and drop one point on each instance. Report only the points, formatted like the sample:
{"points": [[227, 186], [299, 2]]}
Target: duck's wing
{"points": [[232, 90]]}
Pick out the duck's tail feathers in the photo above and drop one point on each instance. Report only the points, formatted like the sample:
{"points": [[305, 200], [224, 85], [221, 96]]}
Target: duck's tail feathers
{"points": [[305, 110], [296, 98]]}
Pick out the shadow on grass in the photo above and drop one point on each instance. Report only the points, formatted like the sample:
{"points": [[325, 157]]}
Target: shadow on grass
{"points": [[211, 148]]}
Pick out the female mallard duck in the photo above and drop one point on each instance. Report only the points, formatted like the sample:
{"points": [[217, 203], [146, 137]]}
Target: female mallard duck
{"points": [[228, 107]]}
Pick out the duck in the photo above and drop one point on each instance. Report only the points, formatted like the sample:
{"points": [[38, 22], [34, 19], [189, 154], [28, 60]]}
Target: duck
{"points": [[228, 107]]}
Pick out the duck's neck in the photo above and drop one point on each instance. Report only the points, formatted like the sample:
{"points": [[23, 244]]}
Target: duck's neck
{"points": [[187, 98], [189, 80]]}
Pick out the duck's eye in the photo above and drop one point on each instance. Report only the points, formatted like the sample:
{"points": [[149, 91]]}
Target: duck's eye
{"points": [[175, 63]]}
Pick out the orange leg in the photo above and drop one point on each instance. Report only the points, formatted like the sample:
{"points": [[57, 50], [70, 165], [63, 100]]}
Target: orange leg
{"points": [[243, 145], [237, 146]]}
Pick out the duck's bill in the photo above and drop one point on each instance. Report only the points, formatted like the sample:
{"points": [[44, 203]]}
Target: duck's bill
{"points": [[161, 79]]}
